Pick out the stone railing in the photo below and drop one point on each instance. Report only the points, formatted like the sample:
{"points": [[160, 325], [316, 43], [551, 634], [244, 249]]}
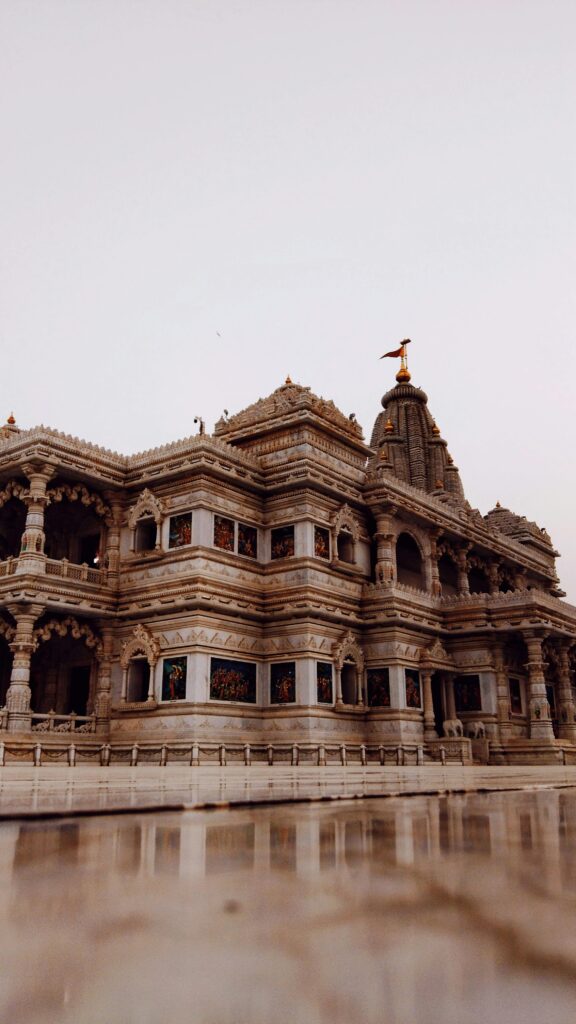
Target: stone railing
{"points": [[8, 567], [71, 571], [51, 722]]}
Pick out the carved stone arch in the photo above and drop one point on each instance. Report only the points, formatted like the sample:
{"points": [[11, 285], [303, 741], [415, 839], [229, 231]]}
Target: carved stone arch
{"points": [[78, 492], [345, 535], [69, 625], [348, 649], [444, 547], [141, 642], [345, 520], [13, 490], [147, 504], [436, 658]]}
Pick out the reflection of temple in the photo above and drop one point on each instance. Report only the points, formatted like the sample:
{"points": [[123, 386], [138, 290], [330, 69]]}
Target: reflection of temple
{"points": [[533, 828], [279, 580]]}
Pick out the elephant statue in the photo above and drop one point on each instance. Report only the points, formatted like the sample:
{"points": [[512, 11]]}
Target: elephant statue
{"points": [[476, 730], [453, 727]]}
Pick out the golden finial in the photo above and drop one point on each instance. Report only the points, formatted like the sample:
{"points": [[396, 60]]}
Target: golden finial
{"points": [[288, 380], [388, 426], [403, 375], [11, 419], [435, 429]]}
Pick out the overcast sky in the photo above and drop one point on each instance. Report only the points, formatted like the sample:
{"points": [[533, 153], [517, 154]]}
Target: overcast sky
{"points": [[198, 197]]}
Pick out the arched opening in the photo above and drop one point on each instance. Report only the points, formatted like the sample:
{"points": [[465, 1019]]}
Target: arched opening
{"points": [[145, 535], [138, 680], [345, 547], [448, 573], [478, 581], [349, 683], [12, 523], [409, 562], [62, 676], [73, 531]]}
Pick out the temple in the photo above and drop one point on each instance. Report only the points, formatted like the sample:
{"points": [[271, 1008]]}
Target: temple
{"points": [[277, 582]]}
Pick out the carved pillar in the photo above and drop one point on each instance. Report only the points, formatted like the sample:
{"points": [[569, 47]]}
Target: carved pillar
{"points": [[462, 564], [150, 695], [359, 692], [566, 711], [449, 692], [102, 702], [22, 647], [338, 672], [124, 691], [540, 723], [32, 558], [429, 720], [502, 695], [111, 560], [158, 543], [434, 581], [385, 561], [494, 577]]}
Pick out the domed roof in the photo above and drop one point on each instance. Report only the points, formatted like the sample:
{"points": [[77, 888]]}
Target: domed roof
{"points": [[414, 450]]}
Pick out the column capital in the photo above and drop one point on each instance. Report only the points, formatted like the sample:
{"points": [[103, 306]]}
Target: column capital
{"points": [[38, 472]]}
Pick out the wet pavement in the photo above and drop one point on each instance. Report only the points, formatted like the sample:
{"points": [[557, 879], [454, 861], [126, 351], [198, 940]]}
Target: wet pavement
{"points": [[453, 908]]}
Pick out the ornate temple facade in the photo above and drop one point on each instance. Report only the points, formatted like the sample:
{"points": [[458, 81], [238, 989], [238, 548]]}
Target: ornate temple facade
{"points": [[278, 581]]}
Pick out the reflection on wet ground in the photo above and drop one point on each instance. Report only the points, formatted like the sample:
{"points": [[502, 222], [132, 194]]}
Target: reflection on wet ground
{"points": [[458, 908], [26, 790]]}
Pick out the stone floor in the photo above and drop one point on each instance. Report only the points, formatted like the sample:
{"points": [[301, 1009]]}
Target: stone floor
{"points": [[453, 908]]}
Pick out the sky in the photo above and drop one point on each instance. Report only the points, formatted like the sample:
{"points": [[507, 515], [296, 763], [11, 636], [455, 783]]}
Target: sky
{"points": [[199, 197]]}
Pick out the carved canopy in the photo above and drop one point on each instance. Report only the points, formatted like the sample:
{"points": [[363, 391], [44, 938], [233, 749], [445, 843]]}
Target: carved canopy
{"points": [[348, 649], [61, 627], [141, 642], [146, 505]]}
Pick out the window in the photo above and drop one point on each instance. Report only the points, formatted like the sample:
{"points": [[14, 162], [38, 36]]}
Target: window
{"points": [[233, 680], [224, 533], [321, 542], [515, 696], [180, 534], [409, 570], [413, 699], [283, 682], [174, 679], [138, 680], [145, 538], [345, 547], [324, 682], [282, 542], [378, 688]]}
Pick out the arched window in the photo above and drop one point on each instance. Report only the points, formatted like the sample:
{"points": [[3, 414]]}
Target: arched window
{"points": [[448, 573], [478, 581], [409, 569], [345, 547]]}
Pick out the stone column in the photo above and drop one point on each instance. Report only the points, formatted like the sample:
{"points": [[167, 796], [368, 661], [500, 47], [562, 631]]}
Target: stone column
{"points": [[540, 723], [124, 692], [158, 543], [502, 695], [359, 688], [338, 674], [429, 719], [385, 564], [494, 578], [22, 647], [435, 585], [449, 691], [566, 711], [462, 563], [102, 702], [111, 561], [150, 695], [32, 558]]}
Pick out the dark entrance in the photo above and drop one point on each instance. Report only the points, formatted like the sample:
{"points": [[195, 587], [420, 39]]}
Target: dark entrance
{"points": [[553, 712], [79, 689]]}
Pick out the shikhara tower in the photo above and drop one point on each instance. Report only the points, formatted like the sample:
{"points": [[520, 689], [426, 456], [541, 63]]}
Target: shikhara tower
{"points": [[279, 582]]}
